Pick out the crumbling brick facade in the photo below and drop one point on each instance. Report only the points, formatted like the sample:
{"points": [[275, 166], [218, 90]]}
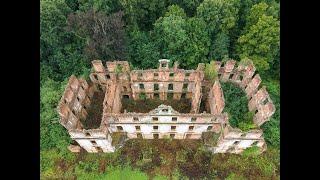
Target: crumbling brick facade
{"points": [[116, 81]]}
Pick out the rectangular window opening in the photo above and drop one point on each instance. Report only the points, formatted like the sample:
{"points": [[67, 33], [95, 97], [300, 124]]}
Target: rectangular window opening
{"points": [[170, 96], [185, 86], [174, 118], [173, 128], [155, 127], [155, 87], [139, 135], [154, 118], [93, 142], [141, 86], [156, 136], [170, 87], [119, 128]]}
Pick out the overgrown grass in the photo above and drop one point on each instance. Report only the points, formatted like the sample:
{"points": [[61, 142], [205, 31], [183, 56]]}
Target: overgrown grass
{"points": [[160, 159]]}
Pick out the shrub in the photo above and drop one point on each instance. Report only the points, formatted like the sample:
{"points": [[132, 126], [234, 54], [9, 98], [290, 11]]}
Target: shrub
{"points": [[236, 104]]}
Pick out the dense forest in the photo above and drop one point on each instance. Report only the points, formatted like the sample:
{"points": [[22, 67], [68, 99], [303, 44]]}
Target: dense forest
{"points": [[75, 32]]}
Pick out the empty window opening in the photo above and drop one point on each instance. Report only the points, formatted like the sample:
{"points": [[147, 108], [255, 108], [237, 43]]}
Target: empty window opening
{"points": [[185, 86], [193, 119], [138, 128], [156, 95], [183, 96], [155, 87], [141, 86], [173, 128], [135, 119], [170, 96], [187, 74], [99, 88], [154, 118], [236, 142], [231, 76], [142, 96], [139, 135], [191, 128], [172, 136], [125, 97], [256, 111], [170, 87], [155, 127], [171, 74], [93, 142], [87, 134], [84, 107], [119, 128], [156, 136], [108, 76], [240, 77], [165, 110], [65, 101], [95, 77], [264, 102], [73, 112], [155, 74], [174, 118], [78, 98], [163, 65], [209, 128], [99, 149], [202, 89]]}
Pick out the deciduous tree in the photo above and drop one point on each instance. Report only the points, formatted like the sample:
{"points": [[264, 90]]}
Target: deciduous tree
{"points": [[104, 35], [260, 41]]}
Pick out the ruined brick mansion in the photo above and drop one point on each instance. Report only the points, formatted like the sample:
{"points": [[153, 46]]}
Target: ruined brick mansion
{"points": [[110, 84]]}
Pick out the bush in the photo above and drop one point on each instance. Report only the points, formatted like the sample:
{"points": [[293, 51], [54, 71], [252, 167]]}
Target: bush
{"points": [[272, 127], [236, 105]]}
